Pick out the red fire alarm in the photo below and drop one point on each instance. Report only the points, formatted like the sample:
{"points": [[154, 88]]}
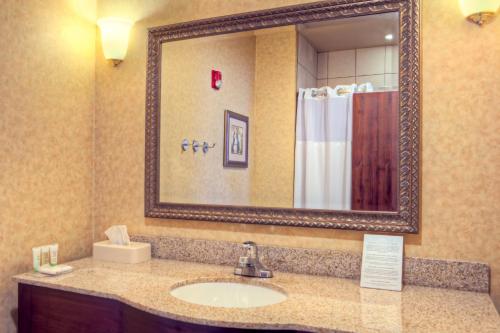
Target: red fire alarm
{"points": [[216, 79]]}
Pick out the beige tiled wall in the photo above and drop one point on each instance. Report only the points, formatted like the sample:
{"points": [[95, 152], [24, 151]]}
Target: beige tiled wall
{"points": [[377, 65]]}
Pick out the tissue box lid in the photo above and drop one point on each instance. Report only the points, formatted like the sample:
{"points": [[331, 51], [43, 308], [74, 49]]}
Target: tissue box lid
{"points": [[134, 253]]}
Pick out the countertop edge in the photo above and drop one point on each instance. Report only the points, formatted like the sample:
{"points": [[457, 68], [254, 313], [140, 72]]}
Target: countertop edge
{"points": [[272, 319]]}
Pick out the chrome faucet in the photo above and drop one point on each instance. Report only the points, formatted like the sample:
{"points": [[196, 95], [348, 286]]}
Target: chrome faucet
{"points": [[249, 265]]}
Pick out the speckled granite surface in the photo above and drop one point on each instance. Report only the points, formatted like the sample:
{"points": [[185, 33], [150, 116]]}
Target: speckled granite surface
{"points": [[315, 303], [460, 275]]}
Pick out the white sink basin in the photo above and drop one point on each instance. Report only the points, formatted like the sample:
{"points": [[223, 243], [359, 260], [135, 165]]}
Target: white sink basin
{"points": [[228, 294]]}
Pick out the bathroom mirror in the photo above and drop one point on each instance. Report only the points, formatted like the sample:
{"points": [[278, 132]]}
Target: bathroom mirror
{"points": [[305, 115]]}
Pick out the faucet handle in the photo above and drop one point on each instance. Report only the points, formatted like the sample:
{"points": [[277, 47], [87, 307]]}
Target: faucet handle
{"points": [[243, 261], [249, 244], [249, 264], [251, 248]]}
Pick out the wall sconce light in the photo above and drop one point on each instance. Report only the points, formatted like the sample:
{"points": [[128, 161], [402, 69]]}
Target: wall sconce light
{"points": [[479, 11], [114, 37]]}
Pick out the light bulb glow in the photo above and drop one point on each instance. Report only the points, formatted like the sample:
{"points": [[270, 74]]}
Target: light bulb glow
{"points": [[389, 37], [114, 36], [470, 7], [479, 11]]}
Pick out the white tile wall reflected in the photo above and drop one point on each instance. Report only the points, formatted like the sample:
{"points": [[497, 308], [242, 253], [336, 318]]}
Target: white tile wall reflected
{"points": [[332, 82], [322, 82], [392, 59], [391, 80], [370, 61], [307, 55], [322, 66], [378, 80], [377, 65], [307, 58], [341, 63]]}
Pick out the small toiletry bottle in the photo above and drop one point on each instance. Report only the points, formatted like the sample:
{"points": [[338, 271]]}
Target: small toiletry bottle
{"points": [[45, 255], [54, 248], [36, 258]]}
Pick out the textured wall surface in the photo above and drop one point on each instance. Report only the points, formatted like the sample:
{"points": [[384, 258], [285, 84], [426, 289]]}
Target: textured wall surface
{"points": [[47, 100], [47, 67], [191, 109], [274, 125], [460, 128], [258, 71]]}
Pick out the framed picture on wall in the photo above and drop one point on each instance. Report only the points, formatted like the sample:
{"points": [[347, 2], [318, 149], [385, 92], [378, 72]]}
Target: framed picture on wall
{"points": [[235, 140]]}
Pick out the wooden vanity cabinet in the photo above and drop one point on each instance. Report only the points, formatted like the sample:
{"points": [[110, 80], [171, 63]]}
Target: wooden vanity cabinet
{"points": [[45, 310]]}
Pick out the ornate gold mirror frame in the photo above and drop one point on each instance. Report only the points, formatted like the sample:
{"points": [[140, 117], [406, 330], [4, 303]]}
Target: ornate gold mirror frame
{"points": [[405, 220]]}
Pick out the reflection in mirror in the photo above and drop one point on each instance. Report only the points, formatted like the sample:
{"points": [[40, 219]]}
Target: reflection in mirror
{"points": [[302, 116]]}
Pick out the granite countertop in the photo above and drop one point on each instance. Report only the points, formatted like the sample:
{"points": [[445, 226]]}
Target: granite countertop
{"points": [[315, 303]]}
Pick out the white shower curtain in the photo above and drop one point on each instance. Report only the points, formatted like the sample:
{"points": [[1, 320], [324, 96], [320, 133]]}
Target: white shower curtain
{"points": [[323, 150]]}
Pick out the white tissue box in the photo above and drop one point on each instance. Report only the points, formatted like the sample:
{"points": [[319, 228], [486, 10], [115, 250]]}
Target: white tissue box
{"points": [[127, 254]]}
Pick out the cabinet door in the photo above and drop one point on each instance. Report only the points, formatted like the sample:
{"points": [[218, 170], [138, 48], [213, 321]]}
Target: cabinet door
{"points": [[45, 310], [375, 151], [136, 321]]}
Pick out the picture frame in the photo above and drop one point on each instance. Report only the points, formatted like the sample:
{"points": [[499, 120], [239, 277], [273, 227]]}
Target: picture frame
{"points": [[236, 134]]}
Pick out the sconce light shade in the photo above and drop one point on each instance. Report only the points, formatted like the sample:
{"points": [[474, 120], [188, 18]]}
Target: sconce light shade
{"points": [[114, 37], [479, 11]]}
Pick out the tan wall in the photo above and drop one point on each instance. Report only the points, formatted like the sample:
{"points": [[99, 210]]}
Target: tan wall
{"points": [[258, 81], [46, 121], [191, 109], [460, 130], [274, 120]]}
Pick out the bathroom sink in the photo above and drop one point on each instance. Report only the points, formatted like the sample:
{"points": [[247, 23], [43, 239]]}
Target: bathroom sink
{"points": [[228, 294]]}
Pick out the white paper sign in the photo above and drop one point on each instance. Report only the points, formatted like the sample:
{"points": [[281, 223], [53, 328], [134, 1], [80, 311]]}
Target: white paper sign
{"points": [[382, 266]]}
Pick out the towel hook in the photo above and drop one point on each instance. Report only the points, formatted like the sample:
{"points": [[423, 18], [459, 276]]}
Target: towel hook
{"points": [[206, 147], [196, 145], [185, 144]]}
